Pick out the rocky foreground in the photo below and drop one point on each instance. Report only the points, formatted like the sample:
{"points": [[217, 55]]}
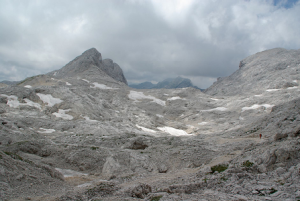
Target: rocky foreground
{"points": [[80, 133]]}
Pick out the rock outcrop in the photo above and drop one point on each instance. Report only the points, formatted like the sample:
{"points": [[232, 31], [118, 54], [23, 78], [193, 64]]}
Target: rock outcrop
{"points": [[273, 69]]}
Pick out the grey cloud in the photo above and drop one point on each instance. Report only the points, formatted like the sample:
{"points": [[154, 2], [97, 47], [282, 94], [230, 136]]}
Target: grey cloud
{"points": [[205, 41]]}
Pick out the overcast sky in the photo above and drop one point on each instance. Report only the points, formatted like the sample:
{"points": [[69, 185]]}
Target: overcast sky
{"points": [[150, 39]]}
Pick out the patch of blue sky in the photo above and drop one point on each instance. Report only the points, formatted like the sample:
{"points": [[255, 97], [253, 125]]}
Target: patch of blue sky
{"points": [[285, 3]]}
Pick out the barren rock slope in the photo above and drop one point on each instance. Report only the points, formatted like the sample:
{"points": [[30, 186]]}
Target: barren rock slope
{"points": [[80, 133]]}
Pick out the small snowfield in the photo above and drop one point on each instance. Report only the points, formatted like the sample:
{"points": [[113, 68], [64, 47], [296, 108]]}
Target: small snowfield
{"points": [[215, 109], [135, 95], [146, 129], [256, 106], [62, 114], [12, 101], [101, 86], [173, 131], [49, 99]]}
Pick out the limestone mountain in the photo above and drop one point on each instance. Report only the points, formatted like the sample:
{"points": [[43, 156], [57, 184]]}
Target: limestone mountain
{"points": [[90, 64], [144, 85], [9, 82], [169, 83], [273, 69]]}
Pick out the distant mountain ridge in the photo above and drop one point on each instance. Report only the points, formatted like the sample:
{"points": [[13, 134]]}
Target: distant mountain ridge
{"points": [[11, 83], [169, 83]]}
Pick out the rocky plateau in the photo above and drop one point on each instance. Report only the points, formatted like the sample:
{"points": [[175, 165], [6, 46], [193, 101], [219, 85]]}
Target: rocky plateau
{"points": [[81, 133]]}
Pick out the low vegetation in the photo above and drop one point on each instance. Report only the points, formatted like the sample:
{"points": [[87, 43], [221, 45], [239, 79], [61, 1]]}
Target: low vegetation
{"points": [[219, 168], [247, 164]]}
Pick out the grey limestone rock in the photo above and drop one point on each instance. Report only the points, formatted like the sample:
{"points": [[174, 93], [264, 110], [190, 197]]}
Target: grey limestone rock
{"points": [[89, 64], [83, 125], [270, 69], [112, 69]]}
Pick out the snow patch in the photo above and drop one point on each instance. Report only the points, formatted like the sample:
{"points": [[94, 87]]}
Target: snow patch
{"points": [[215, 109], [295, 81], [62, 114], [70, 173], [12, 101], [28, 86], [84, 185], [258, 95], [67, 83], [294, 87], [146, 129], [44, 130], [174, 98], [256, 106], [214, 99], [160, 116], [173, 131], [86, 80], [88, 119], [54, 74], [270, 90], [135, 95], [31, 103], [202, 123], [49, 99], [101, 86]]}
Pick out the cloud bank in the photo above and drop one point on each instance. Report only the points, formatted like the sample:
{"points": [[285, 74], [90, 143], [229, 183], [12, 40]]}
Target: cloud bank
{"points": [[150, 39]]}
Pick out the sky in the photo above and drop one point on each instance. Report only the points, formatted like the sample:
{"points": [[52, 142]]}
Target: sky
{"points": [[150, 39]]}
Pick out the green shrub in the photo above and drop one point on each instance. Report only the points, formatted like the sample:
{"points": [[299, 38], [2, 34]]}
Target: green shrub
{"points": [[219, 168], [156, 198], [247, 164], [94, 148]]}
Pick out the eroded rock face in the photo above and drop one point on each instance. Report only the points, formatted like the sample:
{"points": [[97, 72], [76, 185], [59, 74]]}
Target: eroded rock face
{"points": [[112, 69], [270, 69]]}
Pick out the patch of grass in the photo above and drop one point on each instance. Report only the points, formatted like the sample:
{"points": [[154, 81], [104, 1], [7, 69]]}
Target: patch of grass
{"points": [[219, 168], [156, 198], [14, 156], [94, 148], [247, 164], [21, 142], [205, 180], [0, 156]]}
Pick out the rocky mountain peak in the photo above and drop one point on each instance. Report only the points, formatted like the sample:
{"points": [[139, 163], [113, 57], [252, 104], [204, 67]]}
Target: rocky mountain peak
{"points": [[92, 54], [90, 64]]}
